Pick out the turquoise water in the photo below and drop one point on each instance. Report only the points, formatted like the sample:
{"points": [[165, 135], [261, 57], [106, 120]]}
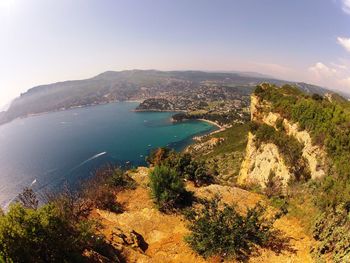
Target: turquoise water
{"points": [[48, 150]]}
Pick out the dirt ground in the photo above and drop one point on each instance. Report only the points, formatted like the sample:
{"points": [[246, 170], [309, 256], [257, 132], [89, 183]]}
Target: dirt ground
{"points": [[163, 234]]}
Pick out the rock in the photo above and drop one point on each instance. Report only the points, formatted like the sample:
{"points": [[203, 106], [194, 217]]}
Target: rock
{"points": [[258, 163], [94, 257], [120, 238]]}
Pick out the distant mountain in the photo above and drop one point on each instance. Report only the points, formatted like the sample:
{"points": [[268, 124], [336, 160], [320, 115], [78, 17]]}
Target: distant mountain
{"points": [[129, 85]]}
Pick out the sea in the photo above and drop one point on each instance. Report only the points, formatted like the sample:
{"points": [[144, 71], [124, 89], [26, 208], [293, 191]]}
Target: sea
{"points": [[48, 151]]}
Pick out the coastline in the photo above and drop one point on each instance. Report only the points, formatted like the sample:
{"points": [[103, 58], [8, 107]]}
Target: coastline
{"points": [[221, 129], [66, 109], [212, 122], [156, 110]]}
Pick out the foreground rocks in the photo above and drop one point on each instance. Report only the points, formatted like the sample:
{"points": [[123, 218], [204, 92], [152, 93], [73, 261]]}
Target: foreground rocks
{"points": [[143, 234]]}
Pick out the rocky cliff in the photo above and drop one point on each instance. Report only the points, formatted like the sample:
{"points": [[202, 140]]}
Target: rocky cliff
{"points": [[261, 161]]}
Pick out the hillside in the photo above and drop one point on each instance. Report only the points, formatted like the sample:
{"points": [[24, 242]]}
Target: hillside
{"points": [[275, 189], [164, 233], [184, 89], [297, 153]]}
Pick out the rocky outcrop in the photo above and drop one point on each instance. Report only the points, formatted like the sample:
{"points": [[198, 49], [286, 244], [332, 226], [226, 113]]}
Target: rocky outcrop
{"points": [[143, 234], [314, 154], [260, 162]]}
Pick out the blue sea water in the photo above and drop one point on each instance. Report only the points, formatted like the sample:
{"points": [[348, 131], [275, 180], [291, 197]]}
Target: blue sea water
{"points": [[49, 150]]}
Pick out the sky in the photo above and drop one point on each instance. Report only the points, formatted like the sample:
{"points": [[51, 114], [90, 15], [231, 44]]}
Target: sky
{"points": [[45, 41]]}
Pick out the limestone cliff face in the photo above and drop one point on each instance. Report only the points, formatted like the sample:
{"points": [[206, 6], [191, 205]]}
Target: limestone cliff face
{"points": [[259, 162]]}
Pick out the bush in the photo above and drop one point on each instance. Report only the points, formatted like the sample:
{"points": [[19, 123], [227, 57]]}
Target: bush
{"points": [[42, 235], [226, 233], [103, 197], [331, 230], [158, 155], [59, 231], [186, 166], [119, 179], [101, 190], [167, 188], [274, 186]]}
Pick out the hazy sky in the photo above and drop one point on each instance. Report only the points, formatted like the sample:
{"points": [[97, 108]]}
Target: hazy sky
{"points": [[44, 41]]}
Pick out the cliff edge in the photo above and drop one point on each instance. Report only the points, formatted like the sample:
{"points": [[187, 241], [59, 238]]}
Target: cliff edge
{"points": [[264, 160]]}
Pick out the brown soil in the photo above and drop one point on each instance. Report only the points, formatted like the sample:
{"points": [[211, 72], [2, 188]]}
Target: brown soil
{"points": [[164, 234]]}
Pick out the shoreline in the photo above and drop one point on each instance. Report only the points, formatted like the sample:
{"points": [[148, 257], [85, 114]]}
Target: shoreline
{"points": [[66, 109], [155, 110], [221, 129], [211, 122]]}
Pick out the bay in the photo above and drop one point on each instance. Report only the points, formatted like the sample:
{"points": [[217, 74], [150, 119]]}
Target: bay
{"points": [[48, 150]]}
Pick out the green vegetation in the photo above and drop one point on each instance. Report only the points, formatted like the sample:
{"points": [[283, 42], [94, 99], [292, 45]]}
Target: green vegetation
{"points": [[61, 230], [327, 120], [167, 188], [226, 157], [183, 164], [49, 234], [333, 239], [235, 139], [217, 117], [225, 232]]}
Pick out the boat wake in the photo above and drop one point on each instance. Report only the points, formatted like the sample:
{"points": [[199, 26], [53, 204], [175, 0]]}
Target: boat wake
{"points": [[87, 160], [34, 181]]}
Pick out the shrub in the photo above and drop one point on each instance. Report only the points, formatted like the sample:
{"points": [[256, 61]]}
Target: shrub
{"points": [[226, 233], [72, 206], [103, 197], [158, 155], [101, 190], [167, 188], [188, 168], [316, 97], [331, 230], [274, 186], [42, 235], [119, 179]]}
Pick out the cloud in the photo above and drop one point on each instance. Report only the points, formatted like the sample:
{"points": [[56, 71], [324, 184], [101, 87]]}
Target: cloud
{"points": [[344, 42], [322, 70], [346, 6], [334, 76]]}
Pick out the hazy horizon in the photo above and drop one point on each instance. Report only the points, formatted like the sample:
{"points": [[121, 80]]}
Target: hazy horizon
{"points": [[47, 42]]}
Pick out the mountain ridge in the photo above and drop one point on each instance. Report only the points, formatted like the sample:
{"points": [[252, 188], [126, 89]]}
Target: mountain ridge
{"points": [[111, 86]]}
